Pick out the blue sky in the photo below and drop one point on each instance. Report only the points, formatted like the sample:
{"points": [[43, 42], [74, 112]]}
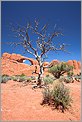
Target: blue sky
{"points": [[66, 15]]}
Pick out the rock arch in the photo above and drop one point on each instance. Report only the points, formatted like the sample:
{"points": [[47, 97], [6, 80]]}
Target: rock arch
{"points": [[19, 58], [32, 61]]}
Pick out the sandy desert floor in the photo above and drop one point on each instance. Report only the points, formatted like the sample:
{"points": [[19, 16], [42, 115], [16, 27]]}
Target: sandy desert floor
{"points": [[23, 103]]}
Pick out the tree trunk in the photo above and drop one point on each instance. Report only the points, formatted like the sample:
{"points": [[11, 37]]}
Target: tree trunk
{"points": [[40, 78]]}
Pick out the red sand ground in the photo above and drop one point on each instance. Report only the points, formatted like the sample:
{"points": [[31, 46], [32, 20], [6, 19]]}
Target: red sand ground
{"points": [[22, 103]]}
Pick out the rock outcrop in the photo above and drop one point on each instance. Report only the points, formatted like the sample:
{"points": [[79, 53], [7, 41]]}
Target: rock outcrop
{"points": [[76, 65], [13, 64], [54, 62], [18, 58]]}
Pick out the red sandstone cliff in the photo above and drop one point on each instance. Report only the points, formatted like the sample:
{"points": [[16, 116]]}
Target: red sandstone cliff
{"points": [[12, 64]]}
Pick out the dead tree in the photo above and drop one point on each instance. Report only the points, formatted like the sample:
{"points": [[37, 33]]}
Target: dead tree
{"points": [[44, 42]]}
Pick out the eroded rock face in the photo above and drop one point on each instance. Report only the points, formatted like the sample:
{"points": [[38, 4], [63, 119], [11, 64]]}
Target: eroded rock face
{"points": [[76, 65], [12, 64], [79, 65], [54, 62], [46, 63], [18, 58], [70, 62]]}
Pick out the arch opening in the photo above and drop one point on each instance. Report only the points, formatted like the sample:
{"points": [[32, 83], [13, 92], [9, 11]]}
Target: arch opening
{"points": [[27, 62]]}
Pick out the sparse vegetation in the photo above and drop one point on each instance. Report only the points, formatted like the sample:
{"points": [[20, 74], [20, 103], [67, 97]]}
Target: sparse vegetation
{"points": [[21, 78], [22, 75], [48, 79], [15, 78], [68, 79], [47, 96], [5, 78], [70, 74], [59, 97], [77, 77], [33, 77], [59, 69]]}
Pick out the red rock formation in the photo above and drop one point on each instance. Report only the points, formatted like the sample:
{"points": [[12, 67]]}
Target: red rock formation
{"points": [[76, 65], [70, 62], [46, 63], [79, 64], [12, 64], [54, 62], [18, 58]]}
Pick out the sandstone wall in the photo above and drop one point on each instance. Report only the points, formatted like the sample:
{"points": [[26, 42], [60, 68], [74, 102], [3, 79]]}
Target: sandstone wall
{"points": [[12, 64]]}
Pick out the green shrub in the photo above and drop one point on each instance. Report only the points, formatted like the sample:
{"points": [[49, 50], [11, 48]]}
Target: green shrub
{"points": [[48, 80], [59, 69], [29, 79], [22, 75], [59, 96], [33, 77], [68, 79], [5, 78], [62, 78], [47, 75], [24, 78], [21, 78], [77, 78], [15, 78], [5, 75], [70, 74], [47, 96]]}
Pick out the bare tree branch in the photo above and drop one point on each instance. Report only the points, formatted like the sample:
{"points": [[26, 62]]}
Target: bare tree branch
{"points": [[44, 42]]}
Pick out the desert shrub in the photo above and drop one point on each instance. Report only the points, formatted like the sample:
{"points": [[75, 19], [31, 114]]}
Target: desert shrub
{"points": [[77, 78], [29, 79], [47, 96], [59, 69], [21, 78], [47, 75], [25, 78], [48, 80], [33, 77], [5, 78], [22, 75], [62, 78], [5, 75], [14, 78], [59, 97], [70, 74], [68, 79]]}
